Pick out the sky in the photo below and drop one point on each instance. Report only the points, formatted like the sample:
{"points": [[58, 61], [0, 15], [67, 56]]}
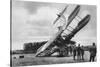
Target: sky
{"points": [[33, 21]]}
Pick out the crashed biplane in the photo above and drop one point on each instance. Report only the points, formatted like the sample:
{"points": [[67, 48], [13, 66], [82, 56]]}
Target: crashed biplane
{"points": [[60, 40]]}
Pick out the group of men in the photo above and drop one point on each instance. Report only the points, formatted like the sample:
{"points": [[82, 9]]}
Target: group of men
{"points": [[79, 52]]}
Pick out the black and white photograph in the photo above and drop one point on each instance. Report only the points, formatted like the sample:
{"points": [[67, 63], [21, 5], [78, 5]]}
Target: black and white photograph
{"points": [[45, 33]]}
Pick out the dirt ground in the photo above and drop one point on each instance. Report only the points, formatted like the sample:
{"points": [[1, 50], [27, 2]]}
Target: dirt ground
{"points": [[30, 60]]}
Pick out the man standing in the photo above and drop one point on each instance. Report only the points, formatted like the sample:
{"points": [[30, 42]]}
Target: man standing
{"points": [[79, 52], [74, 52], [92, 52], [82, 53]]}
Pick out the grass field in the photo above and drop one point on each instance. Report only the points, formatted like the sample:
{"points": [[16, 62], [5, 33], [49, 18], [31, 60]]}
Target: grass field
{"points": [[29, 60]]}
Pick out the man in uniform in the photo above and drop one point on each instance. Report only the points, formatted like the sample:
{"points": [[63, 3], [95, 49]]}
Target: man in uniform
{"points": [[79, 52], [82, 52], [74, 52], [92, 52]]}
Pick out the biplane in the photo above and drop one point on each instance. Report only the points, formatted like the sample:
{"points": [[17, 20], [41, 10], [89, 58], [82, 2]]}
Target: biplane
{"points": [[60, 40]]}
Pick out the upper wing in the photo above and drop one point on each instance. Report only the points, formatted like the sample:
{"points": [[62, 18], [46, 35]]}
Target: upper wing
{"points": [[73, 15], [60, 15]]}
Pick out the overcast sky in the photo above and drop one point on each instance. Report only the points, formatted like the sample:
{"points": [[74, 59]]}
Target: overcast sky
{"points": [[33, 21]]}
